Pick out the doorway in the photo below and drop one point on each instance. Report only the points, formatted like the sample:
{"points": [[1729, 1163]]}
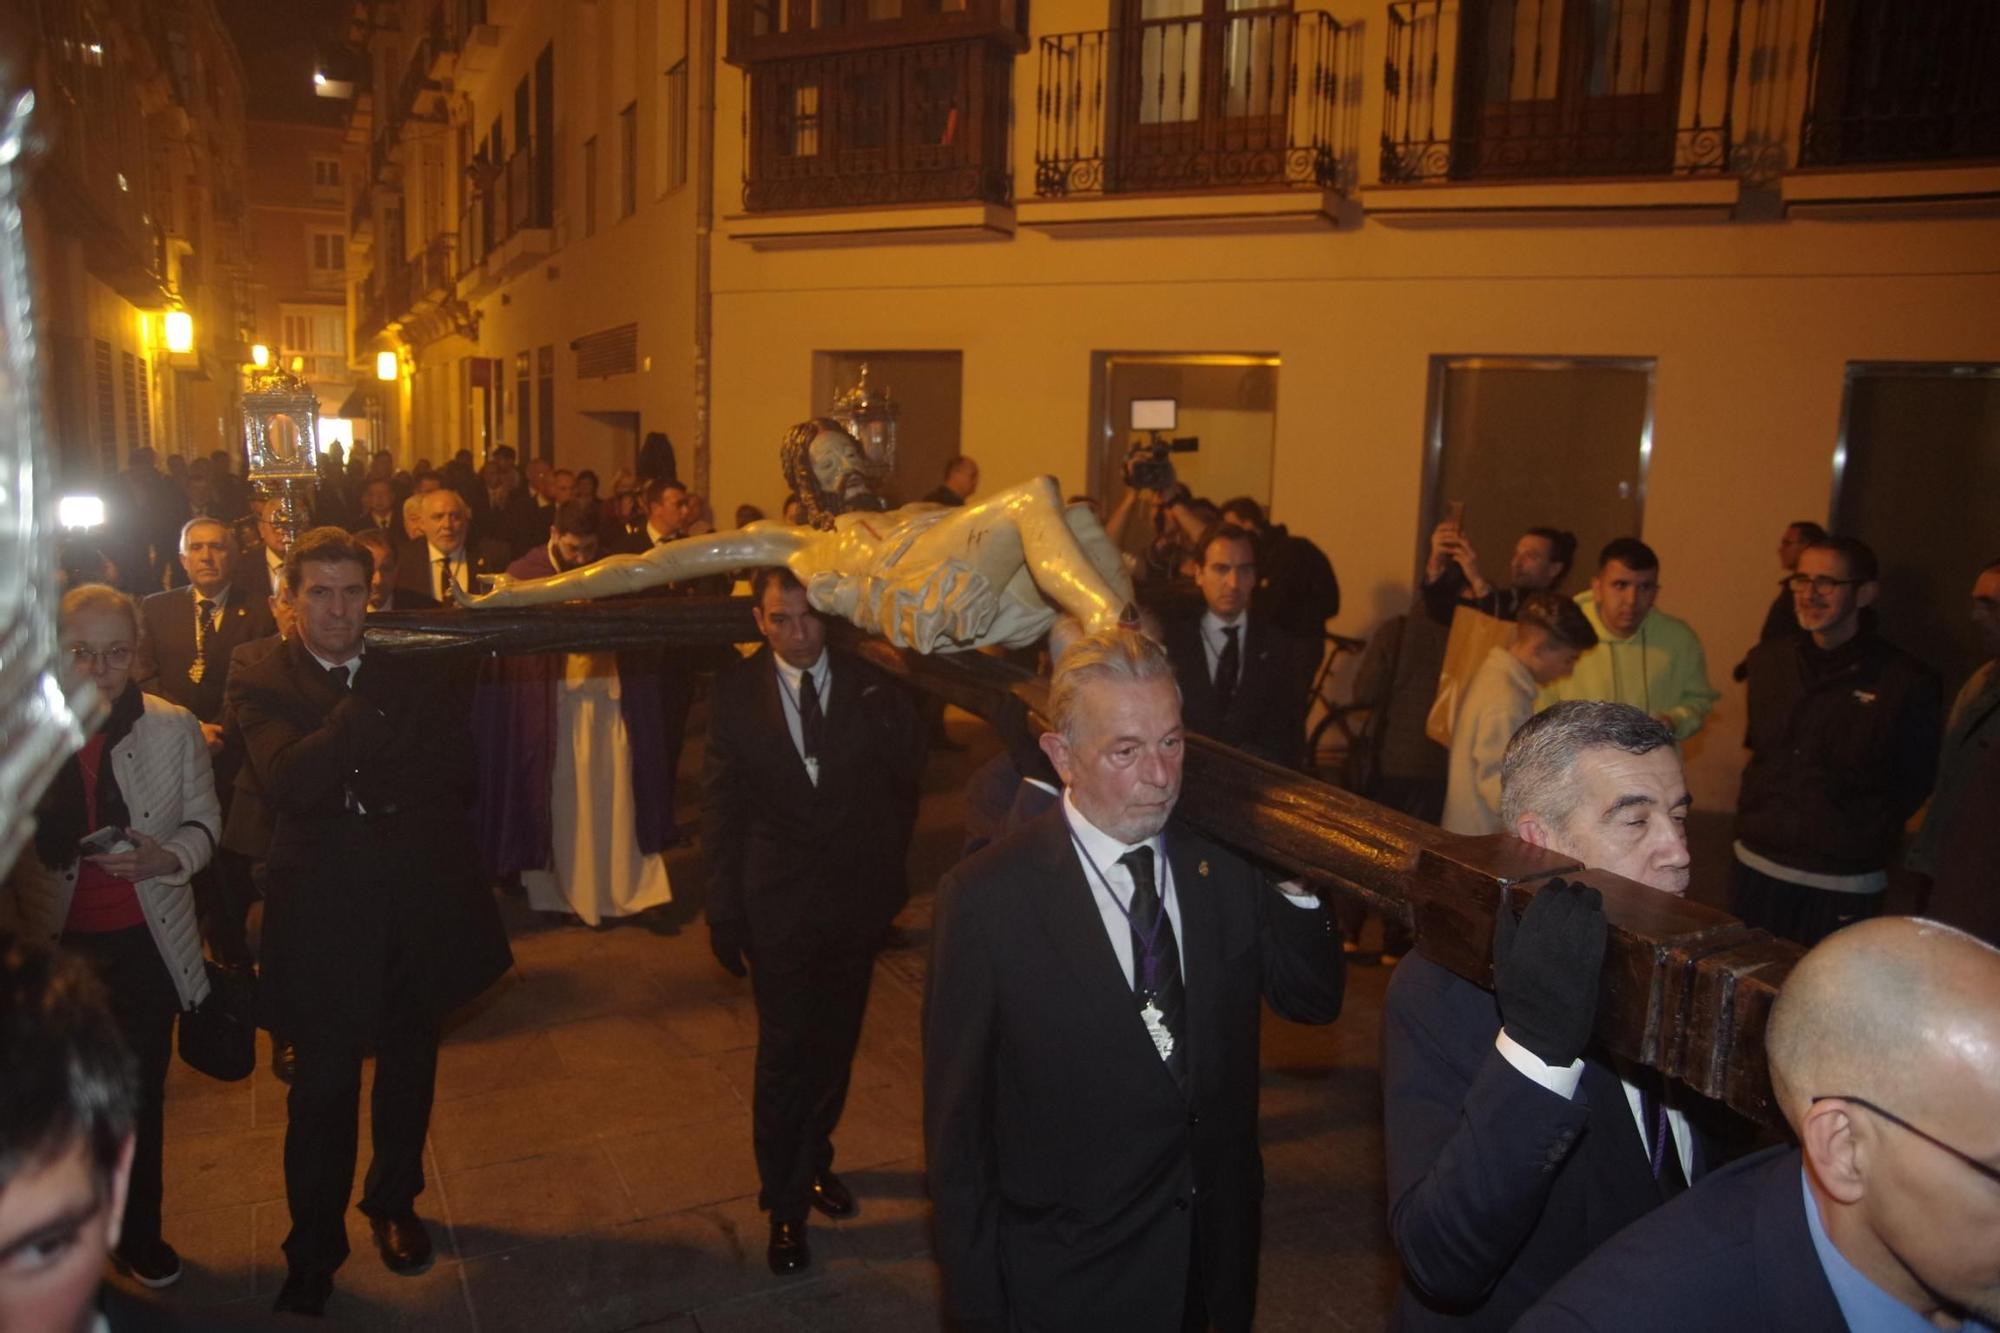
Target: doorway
{"points": [[1917, 477]]}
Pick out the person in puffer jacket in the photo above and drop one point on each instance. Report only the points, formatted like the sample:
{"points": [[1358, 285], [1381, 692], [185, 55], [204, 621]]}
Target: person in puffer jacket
{"points": [[1844, 732], [124, 902]]}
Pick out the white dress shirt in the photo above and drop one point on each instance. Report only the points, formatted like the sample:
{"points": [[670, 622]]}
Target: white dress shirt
{"points": [[790, 682], [1111, 883], [459, 572], [1213, 642], [274, 565], [1563, 1080]]}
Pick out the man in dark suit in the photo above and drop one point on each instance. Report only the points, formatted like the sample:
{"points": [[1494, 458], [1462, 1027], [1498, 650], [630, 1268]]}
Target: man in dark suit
{"points": [[1243, 679], [376, 922], [186, 638], [1512, 1151], [1091, 1033], [383, 594], [1884, 1049], [811, 772], [445, 559], [961, 479]]}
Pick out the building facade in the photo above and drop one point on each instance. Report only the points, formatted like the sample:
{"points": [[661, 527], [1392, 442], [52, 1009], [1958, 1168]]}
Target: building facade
{"points": [[136, 215], [1614, 266], [524, 245], [298, 206], [1689, 269]]}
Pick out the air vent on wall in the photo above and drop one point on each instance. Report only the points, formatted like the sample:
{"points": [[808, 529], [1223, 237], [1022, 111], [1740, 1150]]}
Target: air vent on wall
{"points": [[606, 353]]}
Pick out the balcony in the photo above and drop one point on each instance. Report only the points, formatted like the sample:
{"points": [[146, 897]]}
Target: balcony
{"points": [[1895, 81], [508, 220], [1517, 90], [1240, 100], [911, 124]]}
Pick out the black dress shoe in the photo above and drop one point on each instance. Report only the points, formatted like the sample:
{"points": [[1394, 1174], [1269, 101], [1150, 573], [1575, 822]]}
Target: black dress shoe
{"points": [[788, 1252], [304, 1293], [831, 1196], [405, 1245]]}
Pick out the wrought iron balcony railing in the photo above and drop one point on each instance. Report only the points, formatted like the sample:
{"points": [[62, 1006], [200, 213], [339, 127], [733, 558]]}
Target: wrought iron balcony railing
{"points": [[1897, 81], [1253, 98], [1478, 89], [923, 123]]}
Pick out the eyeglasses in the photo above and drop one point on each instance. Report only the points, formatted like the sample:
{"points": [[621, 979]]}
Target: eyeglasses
{"points": [[1985, 1169], [88, 658], [1819, 583]]}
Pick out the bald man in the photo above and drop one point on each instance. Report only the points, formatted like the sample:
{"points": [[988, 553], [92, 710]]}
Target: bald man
{"points": [[446, 560], [1885, 1057]]}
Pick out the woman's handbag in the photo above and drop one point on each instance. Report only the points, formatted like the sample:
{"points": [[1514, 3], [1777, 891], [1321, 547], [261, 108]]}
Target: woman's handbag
{"points": [[219, 1037]]}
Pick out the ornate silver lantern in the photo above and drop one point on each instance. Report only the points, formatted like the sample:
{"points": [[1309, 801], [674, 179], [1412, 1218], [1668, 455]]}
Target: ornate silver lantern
{"points": [[869, 415], [281, 439], [39, 725]]}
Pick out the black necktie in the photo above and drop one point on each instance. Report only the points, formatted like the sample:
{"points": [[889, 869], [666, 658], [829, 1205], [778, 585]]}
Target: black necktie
{"points": [[812, 721], [203, 627], [338, 675], [1228, 665], [1156, 963], [445, 581], [1660, 1147]]}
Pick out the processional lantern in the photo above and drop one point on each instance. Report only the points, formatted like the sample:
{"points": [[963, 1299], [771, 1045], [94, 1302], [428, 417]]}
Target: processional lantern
{"points": [[39, 724], [281, 439], [869, 415]]}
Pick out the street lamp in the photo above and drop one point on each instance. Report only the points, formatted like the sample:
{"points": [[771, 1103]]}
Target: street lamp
{"points": [[385, 365], [180, 332], [260, 355]]}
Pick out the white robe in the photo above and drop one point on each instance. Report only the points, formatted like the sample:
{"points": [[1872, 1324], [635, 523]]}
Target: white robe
{"points": [[599, 871]]}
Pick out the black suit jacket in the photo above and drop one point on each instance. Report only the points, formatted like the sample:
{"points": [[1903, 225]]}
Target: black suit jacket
{"points": [[1070, 1173], [1497, 1186], [1267, 714], [350, 893], [800, 863], [246, 824], [166, 646], [1732, 1256], [418, 573]]}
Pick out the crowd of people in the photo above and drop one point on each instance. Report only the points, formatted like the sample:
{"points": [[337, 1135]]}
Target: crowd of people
{"points": [[1098, 969]]}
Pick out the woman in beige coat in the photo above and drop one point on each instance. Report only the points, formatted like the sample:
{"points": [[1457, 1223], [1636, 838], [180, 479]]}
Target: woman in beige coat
{"points": [[142, 782]]}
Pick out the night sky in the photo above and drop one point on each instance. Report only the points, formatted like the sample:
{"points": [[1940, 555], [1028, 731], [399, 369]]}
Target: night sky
{"points": [[281, 44]]}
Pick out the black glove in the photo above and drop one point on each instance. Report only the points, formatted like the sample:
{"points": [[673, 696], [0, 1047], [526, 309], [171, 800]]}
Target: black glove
{"points": [[730, 943], [1545, 970]]}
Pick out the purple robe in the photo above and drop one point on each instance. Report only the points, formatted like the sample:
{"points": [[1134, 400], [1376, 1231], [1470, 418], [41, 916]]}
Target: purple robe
{"points": [[514, 731]]}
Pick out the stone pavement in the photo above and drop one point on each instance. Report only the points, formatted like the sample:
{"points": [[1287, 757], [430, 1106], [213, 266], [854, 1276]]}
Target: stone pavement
{"points": [[590, 1164]]}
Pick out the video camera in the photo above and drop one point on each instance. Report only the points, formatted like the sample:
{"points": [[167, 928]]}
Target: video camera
{"points": [[1148, 462]]}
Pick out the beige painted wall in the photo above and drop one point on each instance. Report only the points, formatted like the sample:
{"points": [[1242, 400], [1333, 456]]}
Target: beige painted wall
{"points": [[1752, 325]]}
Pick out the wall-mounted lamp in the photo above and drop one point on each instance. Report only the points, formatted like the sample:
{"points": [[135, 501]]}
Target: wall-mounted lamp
{"points": [[385, 365], [260, 355], [180, 332]]}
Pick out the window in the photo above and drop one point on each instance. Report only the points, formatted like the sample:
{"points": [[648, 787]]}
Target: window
{"points": [[801, 138], [1524, 439], [674, 128], [590, 186], [131, 366], [325, 177], [329, 258], [628, 160]]}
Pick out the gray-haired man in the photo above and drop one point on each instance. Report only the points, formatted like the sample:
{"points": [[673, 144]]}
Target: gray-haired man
{"points": [[1091, 1031], [1512, 1152]]}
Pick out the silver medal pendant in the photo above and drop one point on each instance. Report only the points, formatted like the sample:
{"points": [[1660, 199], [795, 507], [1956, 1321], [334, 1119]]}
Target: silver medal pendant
{"points": [[1163, 1040]]}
